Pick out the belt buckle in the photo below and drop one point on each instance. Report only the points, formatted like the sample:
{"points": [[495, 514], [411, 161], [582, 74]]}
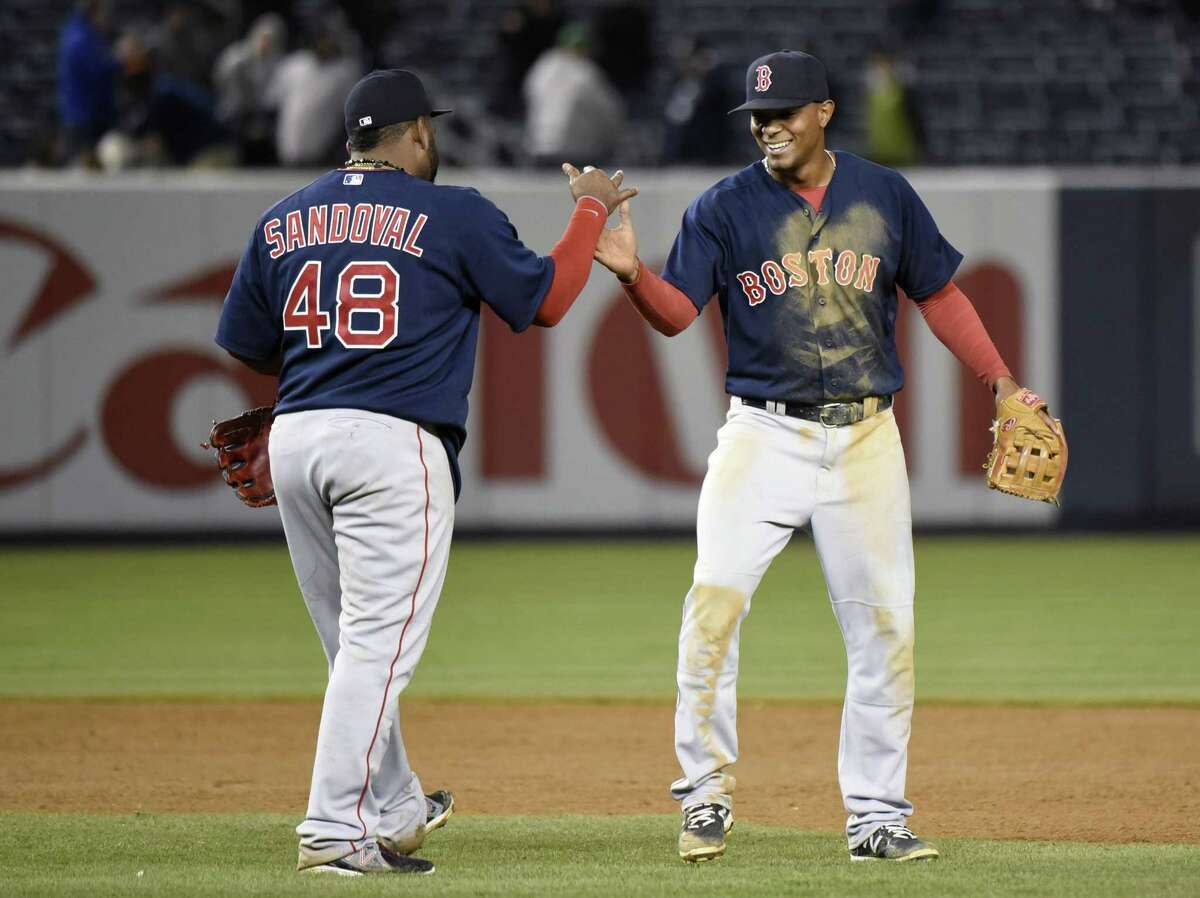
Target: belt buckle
{"points": [[835, 414]]}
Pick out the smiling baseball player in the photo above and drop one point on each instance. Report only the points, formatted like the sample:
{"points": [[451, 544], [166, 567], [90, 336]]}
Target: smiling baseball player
{"points": [[805, 250], [362, 291]]}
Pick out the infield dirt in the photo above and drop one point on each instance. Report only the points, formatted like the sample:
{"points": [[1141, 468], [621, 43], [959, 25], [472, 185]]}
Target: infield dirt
{"points": [[1061, 774]]}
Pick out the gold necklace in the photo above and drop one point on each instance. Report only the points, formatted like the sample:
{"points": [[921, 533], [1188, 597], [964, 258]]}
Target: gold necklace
{"points": [[377, 163], [832, 171]]}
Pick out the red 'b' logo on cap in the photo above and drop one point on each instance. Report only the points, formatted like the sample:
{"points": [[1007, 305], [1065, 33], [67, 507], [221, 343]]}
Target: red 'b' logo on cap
{"points": [[764, 78]]}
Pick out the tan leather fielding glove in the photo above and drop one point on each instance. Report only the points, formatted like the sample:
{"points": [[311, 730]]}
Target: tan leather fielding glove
{"points": [[241, 445], [1029, 456]]}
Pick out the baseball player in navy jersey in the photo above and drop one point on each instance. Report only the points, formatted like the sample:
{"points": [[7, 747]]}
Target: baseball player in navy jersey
{"points": [[362, 291], [805, 250]]}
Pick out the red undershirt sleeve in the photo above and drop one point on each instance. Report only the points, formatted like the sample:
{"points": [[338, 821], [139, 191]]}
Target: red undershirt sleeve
{"points": [[572, 257], [954, 321], [666, 308]]}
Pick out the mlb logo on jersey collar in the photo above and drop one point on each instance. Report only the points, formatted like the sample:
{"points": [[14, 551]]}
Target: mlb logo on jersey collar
{"points": [[352, 179]]}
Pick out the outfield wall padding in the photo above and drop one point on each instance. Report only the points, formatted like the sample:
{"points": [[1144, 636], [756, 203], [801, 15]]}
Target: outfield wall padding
{"points": [[109, 377]]}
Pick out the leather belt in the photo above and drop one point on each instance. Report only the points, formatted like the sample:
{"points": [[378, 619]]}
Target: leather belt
{"points": [[830, 414]]}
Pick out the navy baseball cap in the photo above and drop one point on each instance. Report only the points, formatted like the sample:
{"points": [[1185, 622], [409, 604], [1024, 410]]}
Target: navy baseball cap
{"points": [[784, 79], [387, 97]]}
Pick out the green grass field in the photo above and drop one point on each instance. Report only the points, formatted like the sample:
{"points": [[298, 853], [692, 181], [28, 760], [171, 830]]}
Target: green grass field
{"points": [[1074, 620], [250, 855], [1084, 620]]}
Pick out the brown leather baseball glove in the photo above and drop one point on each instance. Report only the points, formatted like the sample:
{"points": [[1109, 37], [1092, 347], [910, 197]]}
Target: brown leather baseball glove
{"points": [[1029, 455], [241, 445]]}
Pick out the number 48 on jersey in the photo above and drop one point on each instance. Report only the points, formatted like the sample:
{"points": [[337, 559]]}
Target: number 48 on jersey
{"points": [[365, 318]]}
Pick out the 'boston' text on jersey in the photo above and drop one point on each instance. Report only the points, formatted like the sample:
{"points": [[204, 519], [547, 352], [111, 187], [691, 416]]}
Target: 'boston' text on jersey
{"points": [[847, 270]]}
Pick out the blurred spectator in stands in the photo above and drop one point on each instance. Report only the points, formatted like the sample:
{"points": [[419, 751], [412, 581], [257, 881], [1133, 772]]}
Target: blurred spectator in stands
{"points": [[173, 121], [574, 114], [894, 134], [310, 87], [526, 32], [189, 38], [87, 77], [242, 78], [704, 91], [622, 34]]}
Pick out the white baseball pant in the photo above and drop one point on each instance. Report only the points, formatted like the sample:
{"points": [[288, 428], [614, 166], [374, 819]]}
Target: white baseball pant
{"points": [[768, 476], [367, 504]]}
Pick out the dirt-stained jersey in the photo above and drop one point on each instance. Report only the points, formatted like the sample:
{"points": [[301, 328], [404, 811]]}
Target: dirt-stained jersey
{"points": [[809, 299]]}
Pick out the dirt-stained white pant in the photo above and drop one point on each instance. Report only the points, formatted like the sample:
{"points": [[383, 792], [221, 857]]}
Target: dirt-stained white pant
{"points": [[768, 476], [367, 504]]}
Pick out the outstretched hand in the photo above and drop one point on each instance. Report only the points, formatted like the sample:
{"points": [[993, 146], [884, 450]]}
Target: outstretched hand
{"points": [[616, 249], [595, 182]]}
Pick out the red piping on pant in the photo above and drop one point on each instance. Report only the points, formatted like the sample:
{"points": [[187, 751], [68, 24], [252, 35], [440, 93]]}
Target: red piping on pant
{"points": [[392, 668]]}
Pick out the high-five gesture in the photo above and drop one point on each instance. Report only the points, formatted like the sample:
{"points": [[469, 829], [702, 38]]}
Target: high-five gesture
{"points": [[595, 182]]}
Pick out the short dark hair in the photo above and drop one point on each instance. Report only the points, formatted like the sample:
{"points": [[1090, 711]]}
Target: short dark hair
{"points": [[369, 138]]}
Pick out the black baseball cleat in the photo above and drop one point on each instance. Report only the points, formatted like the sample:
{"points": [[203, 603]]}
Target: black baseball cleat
{"points": [[702, 836], [370, 860], [403, 863], [893, 842]]}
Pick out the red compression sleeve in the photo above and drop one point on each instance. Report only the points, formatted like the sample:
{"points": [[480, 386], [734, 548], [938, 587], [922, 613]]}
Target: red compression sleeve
{"points": [[666, 308], [572, 257], [955, 322]]}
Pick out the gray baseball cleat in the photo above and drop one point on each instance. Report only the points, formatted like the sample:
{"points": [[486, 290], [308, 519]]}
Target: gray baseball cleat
{"points": [[702, 836], [439, 806], [371, 859], [893, 842]]}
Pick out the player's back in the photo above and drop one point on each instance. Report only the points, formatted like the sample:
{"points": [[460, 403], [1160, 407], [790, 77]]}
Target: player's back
{"points": [[367, 285]]}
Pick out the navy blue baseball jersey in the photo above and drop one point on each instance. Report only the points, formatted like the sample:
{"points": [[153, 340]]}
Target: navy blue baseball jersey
{"points": [[809, 298], [367, 284]]}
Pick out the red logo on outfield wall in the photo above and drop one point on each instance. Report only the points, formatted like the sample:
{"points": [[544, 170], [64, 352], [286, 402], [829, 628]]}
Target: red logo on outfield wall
{"points": [[66, 284], [136, 406], [128, 402]]}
